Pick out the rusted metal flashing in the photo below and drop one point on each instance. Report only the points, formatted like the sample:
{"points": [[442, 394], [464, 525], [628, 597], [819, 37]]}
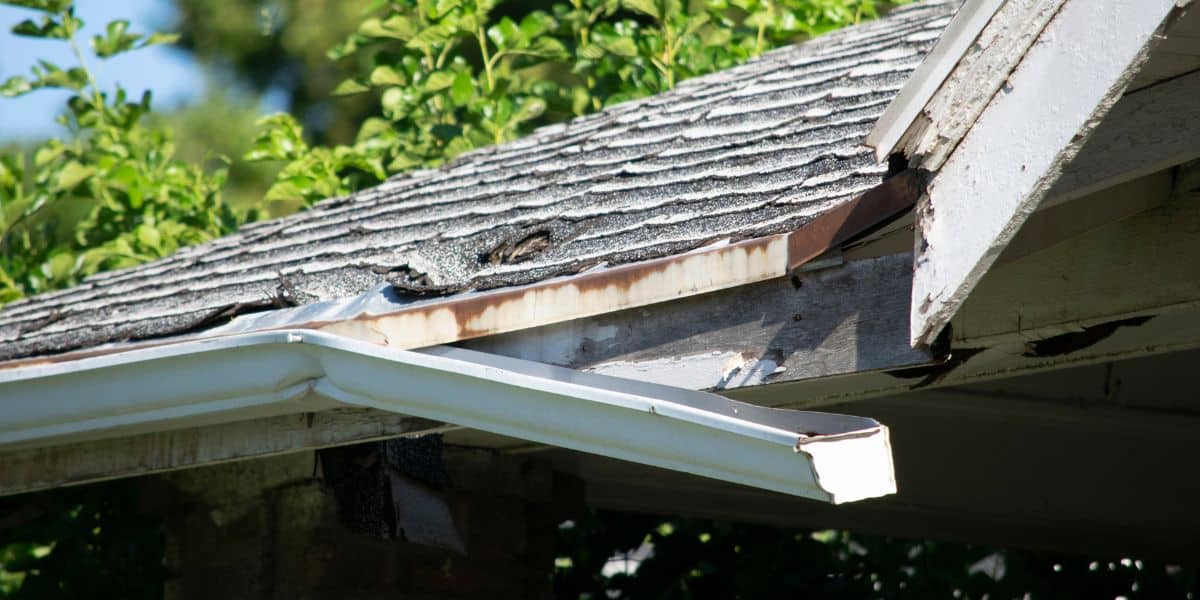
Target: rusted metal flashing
{"points": [[859, 216], [603, 290]]}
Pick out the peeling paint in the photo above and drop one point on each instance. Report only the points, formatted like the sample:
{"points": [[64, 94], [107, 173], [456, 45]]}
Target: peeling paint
{"points": [[709, 371]]}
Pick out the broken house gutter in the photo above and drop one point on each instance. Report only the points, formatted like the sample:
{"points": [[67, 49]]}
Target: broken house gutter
{"points": [[354, 352], [834, 458]]}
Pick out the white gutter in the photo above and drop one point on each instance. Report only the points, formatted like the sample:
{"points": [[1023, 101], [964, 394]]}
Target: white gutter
{"points": [[835, 458]]}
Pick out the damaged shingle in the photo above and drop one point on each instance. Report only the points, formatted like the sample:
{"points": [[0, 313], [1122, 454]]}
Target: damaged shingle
{"points": [[511, 252], [754, 150]]}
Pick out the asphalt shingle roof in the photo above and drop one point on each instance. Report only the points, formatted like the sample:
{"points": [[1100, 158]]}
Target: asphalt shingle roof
{"points": [[755, 150]]}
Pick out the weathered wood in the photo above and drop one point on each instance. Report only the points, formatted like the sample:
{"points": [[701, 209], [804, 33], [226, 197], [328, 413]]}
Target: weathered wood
{"points": [[28, 470], [1015, 150], [1147, 263], [842, 320], [981, 72], [1148, 130], [962, 32]]}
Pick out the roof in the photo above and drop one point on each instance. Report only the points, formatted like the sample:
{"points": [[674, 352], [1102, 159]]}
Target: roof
{"points": [[752, 151]]}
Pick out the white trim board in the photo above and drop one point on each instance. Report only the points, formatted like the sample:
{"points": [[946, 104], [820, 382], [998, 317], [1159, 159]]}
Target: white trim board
{"points": [[962, 32], [1016, 149]]}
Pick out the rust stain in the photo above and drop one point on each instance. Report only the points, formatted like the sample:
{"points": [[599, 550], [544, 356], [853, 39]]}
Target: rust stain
{"points": [[875, 207], [588, 294]]}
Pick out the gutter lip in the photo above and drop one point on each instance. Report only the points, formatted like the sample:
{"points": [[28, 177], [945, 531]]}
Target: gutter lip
{"points": [[633, 420], [377, 316]]}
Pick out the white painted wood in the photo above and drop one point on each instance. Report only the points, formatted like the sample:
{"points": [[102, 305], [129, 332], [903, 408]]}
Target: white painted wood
{"points": [[1146, 263], [27, 470], [921, 86], [1016, 149], [1148, 130], [980, 74]]}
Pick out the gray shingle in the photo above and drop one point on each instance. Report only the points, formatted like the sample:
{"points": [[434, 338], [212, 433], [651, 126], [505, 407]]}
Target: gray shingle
{"points": [[754, 150]]}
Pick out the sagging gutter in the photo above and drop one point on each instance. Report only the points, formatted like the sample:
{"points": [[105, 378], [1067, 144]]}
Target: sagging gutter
{"points": [[834, 458]]}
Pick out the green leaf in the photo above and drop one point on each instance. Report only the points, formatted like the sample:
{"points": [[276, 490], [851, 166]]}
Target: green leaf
{"points": [[530, 109], [148, 236], [48, 153], [549, 47], [621, 46], [505, 34], [439, 80], [15, 86], [384, 75], [395, 102], [50, 75], [280, 138], [431, 37], [446, 132], [397, 27], [48, 29], [646, 7], [115, 39], [158, 38], [348, 47], [50, 6], [536, 24], [349, 87], [463, 89], [72, 174]]}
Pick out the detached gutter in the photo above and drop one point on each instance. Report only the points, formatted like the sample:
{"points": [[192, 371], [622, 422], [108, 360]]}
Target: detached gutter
{"points": [[834, 458]]}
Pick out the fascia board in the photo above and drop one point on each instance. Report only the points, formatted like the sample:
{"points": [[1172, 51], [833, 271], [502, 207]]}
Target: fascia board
{"points": [[900, 114], [1017, 148], [834, 458]]}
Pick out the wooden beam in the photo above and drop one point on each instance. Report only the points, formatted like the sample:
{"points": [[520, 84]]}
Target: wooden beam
{"points": [[825, 323], [981, 71], [1148, 130], [27, 470], [1144, 264], [999, 172]]}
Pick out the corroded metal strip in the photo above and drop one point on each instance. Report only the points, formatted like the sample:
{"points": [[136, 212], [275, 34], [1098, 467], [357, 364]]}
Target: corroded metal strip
{"points": [[835, 227], [584, 295]]}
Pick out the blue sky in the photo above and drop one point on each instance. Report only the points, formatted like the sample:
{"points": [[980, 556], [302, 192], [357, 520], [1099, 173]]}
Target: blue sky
{"points": [[169, 73]]}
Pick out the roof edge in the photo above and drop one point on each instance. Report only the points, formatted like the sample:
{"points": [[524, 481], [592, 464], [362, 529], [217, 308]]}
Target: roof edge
{"points": [[382, 317]]}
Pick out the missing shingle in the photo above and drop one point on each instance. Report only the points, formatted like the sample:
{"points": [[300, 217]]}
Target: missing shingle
{"points": [[412, 281], [511, 252]]}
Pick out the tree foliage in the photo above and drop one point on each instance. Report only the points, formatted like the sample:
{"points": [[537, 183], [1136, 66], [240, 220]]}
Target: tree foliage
{"points": [[417, 82], [699, 559], [453, 75], [112, 194]]}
